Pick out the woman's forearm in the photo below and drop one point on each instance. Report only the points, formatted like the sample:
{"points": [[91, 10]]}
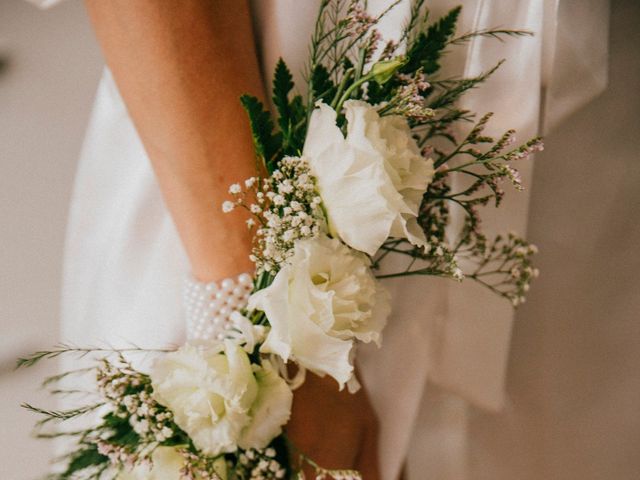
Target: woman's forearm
{"points": [[181, 66]]}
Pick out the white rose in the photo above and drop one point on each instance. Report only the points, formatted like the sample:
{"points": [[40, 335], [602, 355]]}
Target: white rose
{"points": [[372, 181], [319, 303], [218, 397]]}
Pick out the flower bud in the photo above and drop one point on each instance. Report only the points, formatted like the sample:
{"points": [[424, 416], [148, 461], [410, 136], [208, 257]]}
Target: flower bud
{"points": [[383, 71]]}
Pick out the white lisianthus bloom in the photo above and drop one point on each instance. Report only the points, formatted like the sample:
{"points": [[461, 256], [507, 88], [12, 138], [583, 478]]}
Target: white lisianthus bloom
{"points": [[166, 463], [220, 399], [372, 181], [323, 300]]}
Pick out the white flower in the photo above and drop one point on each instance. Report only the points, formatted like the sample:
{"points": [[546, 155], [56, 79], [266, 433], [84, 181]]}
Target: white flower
{"points": [[220, 399], [322, 301], [228, 206], [235, 189], [372, 181], [167, 463], [245, 333], [270, 410]]}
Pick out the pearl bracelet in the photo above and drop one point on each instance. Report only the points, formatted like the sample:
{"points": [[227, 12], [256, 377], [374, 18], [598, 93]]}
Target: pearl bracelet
{"points": [[208, 306]]}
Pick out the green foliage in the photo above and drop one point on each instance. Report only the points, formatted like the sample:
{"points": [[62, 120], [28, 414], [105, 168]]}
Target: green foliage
{"points": [[83, 459], [266, 143], [495, 33], [321, 84], [424, 48], [450, 91], [416, 23], [282, 85], [428, 47], [66, 349], [60, 415], [291, 113]]}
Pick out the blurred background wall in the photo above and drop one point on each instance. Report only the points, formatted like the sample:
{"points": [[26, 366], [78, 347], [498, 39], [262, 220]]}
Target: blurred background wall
{"points": [[51, 65], [574, 370], [574, 377]]}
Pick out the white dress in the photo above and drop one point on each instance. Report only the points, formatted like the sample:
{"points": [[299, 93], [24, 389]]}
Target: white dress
{"points": [[124, 264]]}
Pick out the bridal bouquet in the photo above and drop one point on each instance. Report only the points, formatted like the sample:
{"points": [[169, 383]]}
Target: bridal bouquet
{"points": [[359, 168]]}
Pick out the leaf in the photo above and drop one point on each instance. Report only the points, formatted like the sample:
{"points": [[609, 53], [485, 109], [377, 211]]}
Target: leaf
{"points": [[423, 52], [291, 114], [282, 85], [298, 131], [60, 415], [83, 459], [454, 89], [265, 141], [429, 46], [495, 33], [321, 84]]}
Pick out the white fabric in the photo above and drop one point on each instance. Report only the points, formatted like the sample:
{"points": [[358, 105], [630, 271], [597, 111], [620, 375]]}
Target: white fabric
{"points": [[124, 263], [45, 3], [476, 341]]}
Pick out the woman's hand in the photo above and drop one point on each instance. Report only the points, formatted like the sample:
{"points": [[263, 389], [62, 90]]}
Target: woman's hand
{"points": [[335, 429]]}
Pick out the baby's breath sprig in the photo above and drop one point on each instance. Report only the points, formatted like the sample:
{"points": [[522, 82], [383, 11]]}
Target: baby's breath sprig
{"points": [[259, 464], [504, 266], [321, 473], [130, 394], [287, 208], [196, 466]]}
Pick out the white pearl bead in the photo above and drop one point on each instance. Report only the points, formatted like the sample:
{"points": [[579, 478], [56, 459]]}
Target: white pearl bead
{"points": [[238, 291], [208, 307]]}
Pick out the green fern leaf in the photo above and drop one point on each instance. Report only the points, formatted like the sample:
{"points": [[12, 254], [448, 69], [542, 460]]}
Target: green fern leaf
{"points": [[282, 85], [322, 85], [266, 143], [291, 113], [429, 46]]}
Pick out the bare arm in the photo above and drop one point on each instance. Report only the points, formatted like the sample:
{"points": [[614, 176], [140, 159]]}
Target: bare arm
{"points": [[181, 67]]}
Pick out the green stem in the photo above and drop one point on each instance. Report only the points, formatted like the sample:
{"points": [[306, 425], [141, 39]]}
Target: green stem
{"points": [[355, 85], [422, 271], [341, 87]]}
